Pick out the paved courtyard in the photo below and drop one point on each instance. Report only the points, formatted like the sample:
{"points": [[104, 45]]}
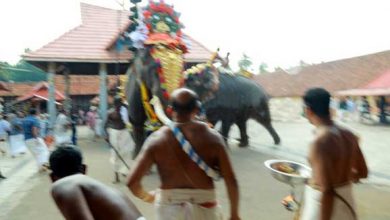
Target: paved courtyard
{"points": [[25, 194]]}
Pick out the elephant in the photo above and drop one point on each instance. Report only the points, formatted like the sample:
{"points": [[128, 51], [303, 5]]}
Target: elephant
{"points": [[231, 99]]}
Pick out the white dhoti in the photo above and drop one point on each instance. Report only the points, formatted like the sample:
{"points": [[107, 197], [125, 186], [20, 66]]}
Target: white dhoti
{"points": [[187, 204], [39, 150], [124, 145], [62, 138], [99, 127], [341, 211], [17, 144]]}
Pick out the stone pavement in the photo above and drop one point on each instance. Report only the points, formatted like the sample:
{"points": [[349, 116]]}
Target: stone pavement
{"points": [[25, 194], [296, 137]]}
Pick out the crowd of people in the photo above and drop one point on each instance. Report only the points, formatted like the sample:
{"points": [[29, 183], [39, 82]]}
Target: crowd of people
{"points": [[21, 132], [189, 156], [362, 109]]}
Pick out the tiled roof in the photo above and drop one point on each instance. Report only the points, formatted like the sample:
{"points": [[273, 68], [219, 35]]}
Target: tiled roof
{"points": [[334, 76], [92, 40], [79, 85], [378, 86], [3, 87], [383, 81], [41, 91]]}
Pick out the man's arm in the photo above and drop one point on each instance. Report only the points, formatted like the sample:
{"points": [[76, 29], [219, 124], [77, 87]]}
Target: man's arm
{"points": [[230, 181], [71, 202], [359, 169], [321, 169], [144, 163]]}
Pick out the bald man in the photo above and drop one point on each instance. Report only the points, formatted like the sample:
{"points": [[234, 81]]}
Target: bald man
{"points": [[187, 188]]}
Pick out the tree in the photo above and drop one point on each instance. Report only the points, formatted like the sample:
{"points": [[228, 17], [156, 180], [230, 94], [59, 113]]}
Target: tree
{"points": [[244, 63], [27, 50], [303, 63], [263, 68]]}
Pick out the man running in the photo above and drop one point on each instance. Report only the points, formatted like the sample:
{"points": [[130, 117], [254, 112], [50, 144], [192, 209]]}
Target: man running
{"points": [[79, 197], [187, 190], [336, 161], [34, 142]]}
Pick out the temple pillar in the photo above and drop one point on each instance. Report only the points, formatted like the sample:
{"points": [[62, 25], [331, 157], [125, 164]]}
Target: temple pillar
{"points": [[51, 104], [103, 102]]}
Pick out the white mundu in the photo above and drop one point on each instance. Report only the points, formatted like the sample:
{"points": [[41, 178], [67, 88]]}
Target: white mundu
{"points": [[60, 132], [124, 145], [187, 204], [341, 211]]}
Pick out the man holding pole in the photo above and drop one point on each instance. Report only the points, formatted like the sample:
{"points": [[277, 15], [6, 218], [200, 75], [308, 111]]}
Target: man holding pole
{"points": [[119, 139]]}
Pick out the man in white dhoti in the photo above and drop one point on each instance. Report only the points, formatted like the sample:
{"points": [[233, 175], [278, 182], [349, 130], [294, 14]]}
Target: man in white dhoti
{"points": [[187, 189], [61, 129], [16, 137], [5, 127], [118, 136], [336, 161], [34, 142]]}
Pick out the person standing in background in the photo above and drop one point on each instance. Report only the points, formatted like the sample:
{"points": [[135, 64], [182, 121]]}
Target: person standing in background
{"points": [[61, 127], [5, 127], [16, 137], [74, 118], [91, 120]]}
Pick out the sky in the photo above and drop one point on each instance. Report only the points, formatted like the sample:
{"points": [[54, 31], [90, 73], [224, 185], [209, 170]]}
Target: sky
{"points": [[277, 32]]}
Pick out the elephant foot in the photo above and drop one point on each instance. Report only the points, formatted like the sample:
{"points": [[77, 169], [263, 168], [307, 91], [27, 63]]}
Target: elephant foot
{"points": [[277, 141], [243, 143]]}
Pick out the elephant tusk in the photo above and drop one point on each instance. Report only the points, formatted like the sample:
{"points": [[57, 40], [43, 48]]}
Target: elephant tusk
{"points": [[155, 101]]}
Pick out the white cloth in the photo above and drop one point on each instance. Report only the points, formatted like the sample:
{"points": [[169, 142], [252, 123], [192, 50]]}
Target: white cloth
{"points": [[17, 144], [99, 127], [61, 133], [4, 127], [312, 204], [124, 145], [124, 115], [39, 150], [186, 204]]}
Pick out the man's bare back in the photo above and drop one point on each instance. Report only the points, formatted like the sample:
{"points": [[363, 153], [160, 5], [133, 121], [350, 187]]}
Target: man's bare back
{"points": [[173, 166], [80, 197], [336, 158]]}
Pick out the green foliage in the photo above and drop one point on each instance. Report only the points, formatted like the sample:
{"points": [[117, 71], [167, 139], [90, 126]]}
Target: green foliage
{"points": [[245, 62], [21, 72], [263, 68]]}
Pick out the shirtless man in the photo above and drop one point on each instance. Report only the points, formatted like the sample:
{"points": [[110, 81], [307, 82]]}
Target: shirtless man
{"points": [[79, 197], [336, 162], [183, 183], [118, 136]]}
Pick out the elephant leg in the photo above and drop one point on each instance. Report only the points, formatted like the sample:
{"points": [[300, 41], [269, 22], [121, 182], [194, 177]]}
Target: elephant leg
{"points": [[244, 136], [272, 131], [139, 139], [225, 130], [263, 116]]}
